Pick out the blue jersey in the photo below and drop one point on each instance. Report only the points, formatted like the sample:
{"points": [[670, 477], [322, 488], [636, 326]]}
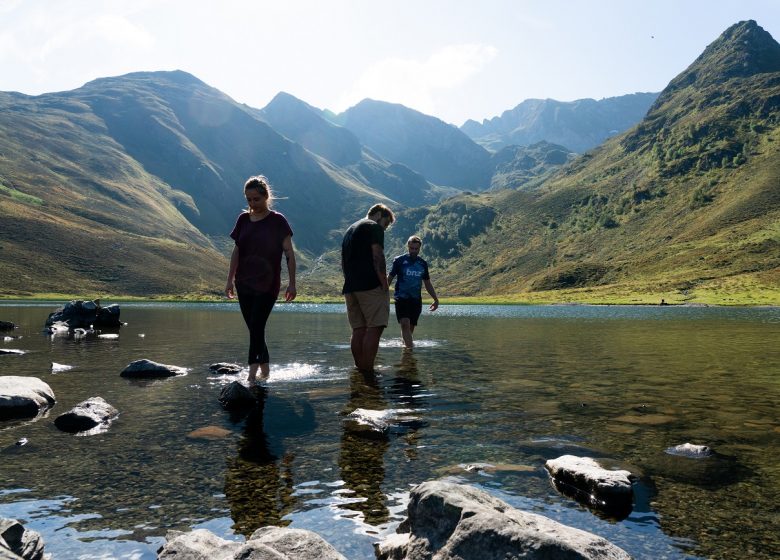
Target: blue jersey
{"points": [[410, 273]]}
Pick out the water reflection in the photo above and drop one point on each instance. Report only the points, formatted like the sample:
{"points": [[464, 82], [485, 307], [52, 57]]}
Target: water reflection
{"points": [[259, 483], [362, 450]]}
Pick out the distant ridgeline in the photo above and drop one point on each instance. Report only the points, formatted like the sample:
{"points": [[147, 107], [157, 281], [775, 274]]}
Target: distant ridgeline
{"points": [[130, 185]]}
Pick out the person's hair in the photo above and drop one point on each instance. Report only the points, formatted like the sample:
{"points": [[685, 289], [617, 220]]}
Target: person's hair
{"points": [[260, 182], [414, 239], [386, 212]]}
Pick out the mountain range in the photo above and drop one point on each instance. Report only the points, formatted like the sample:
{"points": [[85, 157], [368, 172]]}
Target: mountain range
{"points": [[129, 185]]}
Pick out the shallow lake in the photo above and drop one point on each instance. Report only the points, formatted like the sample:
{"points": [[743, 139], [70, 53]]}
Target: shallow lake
{"points": [[511, 386]]}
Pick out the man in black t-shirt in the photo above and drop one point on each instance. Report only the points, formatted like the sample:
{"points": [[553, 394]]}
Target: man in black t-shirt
{"points": [[366, 291]]}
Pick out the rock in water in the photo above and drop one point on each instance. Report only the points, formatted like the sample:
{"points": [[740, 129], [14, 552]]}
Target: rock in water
{"points": [[450, 521], [690, 450], [147, 368], [83, 314], [583, 479], [24, 397], [235, 396], [87, 415], [23, 543]]}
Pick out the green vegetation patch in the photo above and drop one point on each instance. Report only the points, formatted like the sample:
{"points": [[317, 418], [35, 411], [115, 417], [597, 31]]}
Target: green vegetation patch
{"points": [[20, 196]]}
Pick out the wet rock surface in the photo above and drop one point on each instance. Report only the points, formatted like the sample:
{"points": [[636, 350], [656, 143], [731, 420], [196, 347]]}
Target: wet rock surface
{"points": [[690, 450], [91, 414], [225, 368], [148, 369], [24, 397], [7, 326], [450, 521], [584, 479]]}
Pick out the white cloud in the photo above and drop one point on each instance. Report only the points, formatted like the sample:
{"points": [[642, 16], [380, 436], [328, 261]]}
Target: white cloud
{"points": [[416, 83]]}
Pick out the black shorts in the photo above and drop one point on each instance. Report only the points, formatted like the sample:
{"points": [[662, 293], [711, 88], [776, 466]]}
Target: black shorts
{"points": [[408, 309]]}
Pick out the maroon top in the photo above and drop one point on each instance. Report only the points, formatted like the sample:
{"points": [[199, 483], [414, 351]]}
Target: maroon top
{"points": [[260, 252]]}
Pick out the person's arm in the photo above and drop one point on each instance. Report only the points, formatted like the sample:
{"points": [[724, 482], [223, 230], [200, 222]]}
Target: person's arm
{"points": [[232, 273], [289, 254], [429, 288], [380, 266]]}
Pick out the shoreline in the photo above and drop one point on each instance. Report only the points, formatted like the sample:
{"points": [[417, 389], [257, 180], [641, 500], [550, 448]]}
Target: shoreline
{"points": [[455, 300]]}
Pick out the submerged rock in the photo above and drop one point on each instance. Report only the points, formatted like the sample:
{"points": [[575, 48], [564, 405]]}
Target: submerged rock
{"points": [[24, 397], [19, 542], [209, 432], [279, 543], [84, 314], [452, 521], [87, 415], [583, 479], [690, 450], [147, 368]]}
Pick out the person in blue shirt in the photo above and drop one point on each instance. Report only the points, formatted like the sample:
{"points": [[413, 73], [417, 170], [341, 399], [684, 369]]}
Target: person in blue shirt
{"points": [[412, 273]]}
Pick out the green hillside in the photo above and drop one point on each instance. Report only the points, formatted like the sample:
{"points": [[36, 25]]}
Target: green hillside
{"points": [[685, 206]]}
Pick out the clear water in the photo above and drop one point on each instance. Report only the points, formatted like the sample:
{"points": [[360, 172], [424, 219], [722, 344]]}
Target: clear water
{"points": [[505, 385]]}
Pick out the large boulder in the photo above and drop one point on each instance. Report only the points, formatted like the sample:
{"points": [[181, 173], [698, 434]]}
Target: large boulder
{"points": [[268, 543], [450, 521], [83, 314], [94, 413], [584, 479], [24, 397], [18, 542], [147, 368]]}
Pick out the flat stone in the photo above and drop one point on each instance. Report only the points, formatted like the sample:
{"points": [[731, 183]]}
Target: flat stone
{"points": [[225, 368], [584, 479], [209, 432], [24, 397]]}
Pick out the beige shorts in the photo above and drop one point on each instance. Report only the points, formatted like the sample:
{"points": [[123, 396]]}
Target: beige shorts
{"points": [[369, 308]]}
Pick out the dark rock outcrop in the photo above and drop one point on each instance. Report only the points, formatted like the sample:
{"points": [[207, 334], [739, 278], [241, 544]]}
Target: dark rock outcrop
{"points": [[24, 397], [93, 413], [18, 542], [452, 521], [269, 542], [235, 396], [145, 369], [582, 478], [83, 314]]}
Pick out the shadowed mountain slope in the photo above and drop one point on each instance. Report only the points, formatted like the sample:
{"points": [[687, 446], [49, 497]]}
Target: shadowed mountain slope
{"points": [[142, 164], [438, 151], [307, 126]]}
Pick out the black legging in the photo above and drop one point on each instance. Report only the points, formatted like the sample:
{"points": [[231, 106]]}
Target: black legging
{"points": [[256, 308]]}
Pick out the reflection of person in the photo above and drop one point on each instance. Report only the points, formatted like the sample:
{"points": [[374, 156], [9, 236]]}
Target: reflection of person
{"points": [[258, 487], [412, 271], [261, 236], [363, 449], [259, 482], [366, 291]]}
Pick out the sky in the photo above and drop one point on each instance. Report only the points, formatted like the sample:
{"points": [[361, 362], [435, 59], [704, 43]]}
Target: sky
{"points": [[453, 59]]}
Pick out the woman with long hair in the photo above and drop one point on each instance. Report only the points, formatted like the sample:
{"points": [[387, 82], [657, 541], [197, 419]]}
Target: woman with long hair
{"points": [[262, 236]]}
